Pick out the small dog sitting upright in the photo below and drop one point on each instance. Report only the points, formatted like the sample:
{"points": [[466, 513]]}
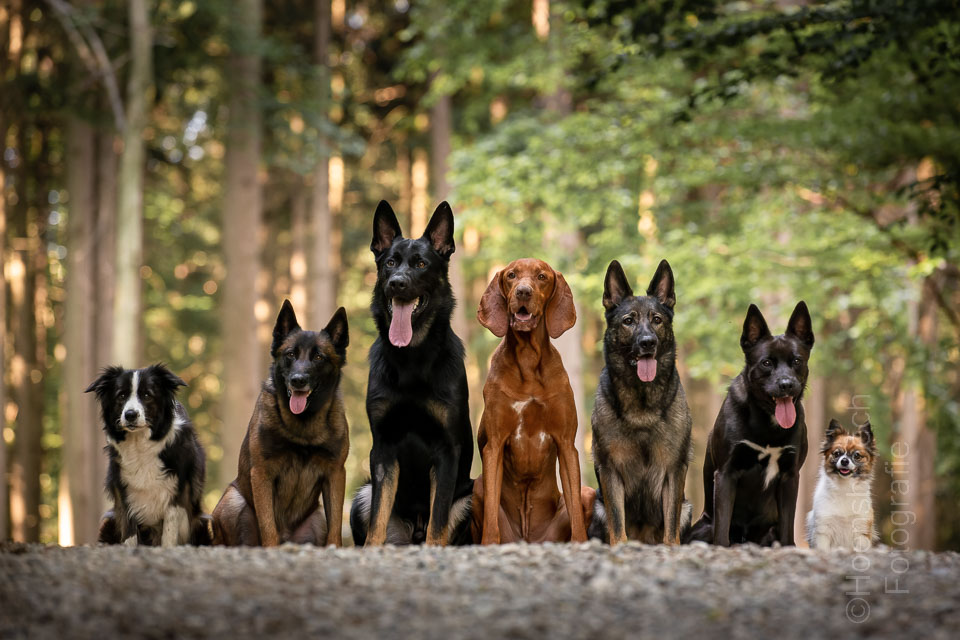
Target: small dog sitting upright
{"points": [[842, 514], [296, 444], [156, 470]]}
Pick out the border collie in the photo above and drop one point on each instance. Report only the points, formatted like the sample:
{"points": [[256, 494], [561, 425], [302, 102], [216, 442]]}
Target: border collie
{"points": [[156, 469]]}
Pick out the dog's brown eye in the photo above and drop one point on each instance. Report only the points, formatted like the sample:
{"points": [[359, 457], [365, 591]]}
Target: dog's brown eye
{"points": [[628, 320], [511, 275], [318, 356], [391, 263], [836, 454], [657, 320], [421, 264], [542, 276], [797, 361], [767, 363], [856, 455], [289, 355]]}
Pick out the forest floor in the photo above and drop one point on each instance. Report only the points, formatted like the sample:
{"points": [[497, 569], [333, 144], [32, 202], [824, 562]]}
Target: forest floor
{"points": [[511, 591]]}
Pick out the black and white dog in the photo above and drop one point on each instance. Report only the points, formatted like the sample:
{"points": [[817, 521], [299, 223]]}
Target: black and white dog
{"points": [[156, 470]]}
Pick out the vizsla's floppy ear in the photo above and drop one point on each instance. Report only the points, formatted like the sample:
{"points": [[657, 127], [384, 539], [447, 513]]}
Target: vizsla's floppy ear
{"points": [[662, 286], [286, 324], [492, 312], [561, 314], [615, 286], [338, 331], [799, 324], [439, 230], [754, 328], [386, 229]]}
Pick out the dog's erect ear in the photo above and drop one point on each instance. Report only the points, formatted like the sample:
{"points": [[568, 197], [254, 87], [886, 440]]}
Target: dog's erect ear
{"points": [[662, 285], [106, 380], [286, 324], [168, 379], [615, 286], [338, 331], [561, 313], [386, 229], [439, 230], [754, 329], [866, 434], [834, 431], [799, 324], [492, 312]]}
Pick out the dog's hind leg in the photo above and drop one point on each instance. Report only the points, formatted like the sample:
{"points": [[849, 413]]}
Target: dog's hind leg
{"points": [[109, 529], [234, 521], [360, 514], [313, 530]]}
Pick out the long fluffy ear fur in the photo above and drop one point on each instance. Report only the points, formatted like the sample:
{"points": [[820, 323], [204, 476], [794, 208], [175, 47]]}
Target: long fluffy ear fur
{"points": [[167, 378], [754, 329], [439, 230], [492, 312], [386, 229], [616, 288], [834, 431], [866, 435], [662, 285], [106, 379], [799, 324], [286, 324], [561, 313]]}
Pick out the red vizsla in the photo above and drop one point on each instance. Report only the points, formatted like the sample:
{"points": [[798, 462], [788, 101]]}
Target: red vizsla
{"points": [[529, 415]]}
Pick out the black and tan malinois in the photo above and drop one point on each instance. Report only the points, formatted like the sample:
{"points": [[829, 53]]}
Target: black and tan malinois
{"points": [[296, 444], [641, 423]]}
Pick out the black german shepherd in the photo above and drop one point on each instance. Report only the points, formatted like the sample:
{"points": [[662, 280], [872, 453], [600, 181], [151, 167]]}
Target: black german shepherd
{"points": [[641, 423], [417, 394], [759, 441]]}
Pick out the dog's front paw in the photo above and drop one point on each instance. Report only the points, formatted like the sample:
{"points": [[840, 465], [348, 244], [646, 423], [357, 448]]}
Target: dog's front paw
{"points": [[131, 541]]}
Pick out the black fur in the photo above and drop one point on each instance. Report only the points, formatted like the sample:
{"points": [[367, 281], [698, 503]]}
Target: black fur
{"points": [[181, 457], [417, 395], [641, 430], [740, 505]]}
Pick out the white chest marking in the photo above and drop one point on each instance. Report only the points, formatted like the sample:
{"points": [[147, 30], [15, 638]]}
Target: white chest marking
{"points": [[150, 489], [772, 454], [519, 406]]}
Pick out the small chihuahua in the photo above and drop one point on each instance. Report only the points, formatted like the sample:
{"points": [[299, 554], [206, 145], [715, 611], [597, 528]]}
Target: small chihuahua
{"points": [[842, 514]]}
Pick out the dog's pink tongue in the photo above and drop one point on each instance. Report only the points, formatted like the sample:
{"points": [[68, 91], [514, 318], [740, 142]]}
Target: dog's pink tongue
{"points": [[401, 329], [647, 369], [298, 401], [786, 412]]}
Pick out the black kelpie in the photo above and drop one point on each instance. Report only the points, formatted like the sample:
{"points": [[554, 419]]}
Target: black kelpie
{"points": [[420, 488], [641, 423], [759, 441]]}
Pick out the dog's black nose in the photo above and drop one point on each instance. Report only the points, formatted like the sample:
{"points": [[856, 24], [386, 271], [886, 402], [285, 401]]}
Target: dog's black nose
{"points": [[844, 462], [786, 384], [648, 342], [397, 283], [524, 292], [131, 415], [299, 380]]}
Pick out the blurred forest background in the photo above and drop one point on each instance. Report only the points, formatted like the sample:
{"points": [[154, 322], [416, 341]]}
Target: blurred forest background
{"points": [[173, 169]]}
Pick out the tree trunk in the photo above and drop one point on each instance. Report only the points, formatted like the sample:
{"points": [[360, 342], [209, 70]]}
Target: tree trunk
{"points": [[326, 249], [129, 230], [3, 339], [815, 409], [298, 255], [79, 492], [242, 212]]}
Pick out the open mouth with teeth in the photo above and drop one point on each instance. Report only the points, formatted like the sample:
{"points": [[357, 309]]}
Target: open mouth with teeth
{"points": [[844, 472], [523, 320], [785, 411], [298, 399], [401, 319]]}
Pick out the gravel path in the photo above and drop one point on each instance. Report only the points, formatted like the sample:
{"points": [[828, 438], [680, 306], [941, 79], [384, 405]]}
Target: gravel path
{"points": [[513, 591]]}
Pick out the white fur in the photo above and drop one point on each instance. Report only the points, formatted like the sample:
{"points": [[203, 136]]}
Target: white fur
{"points": [[773, 457], [150, 489], [133, 402], [842, 515]]}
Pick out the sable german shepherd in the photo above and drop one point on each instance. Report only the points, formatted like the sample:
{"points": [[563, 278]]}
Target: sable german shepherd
{"points": [[641, 424], [417, 394], [751, 473], [296, 444]]}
